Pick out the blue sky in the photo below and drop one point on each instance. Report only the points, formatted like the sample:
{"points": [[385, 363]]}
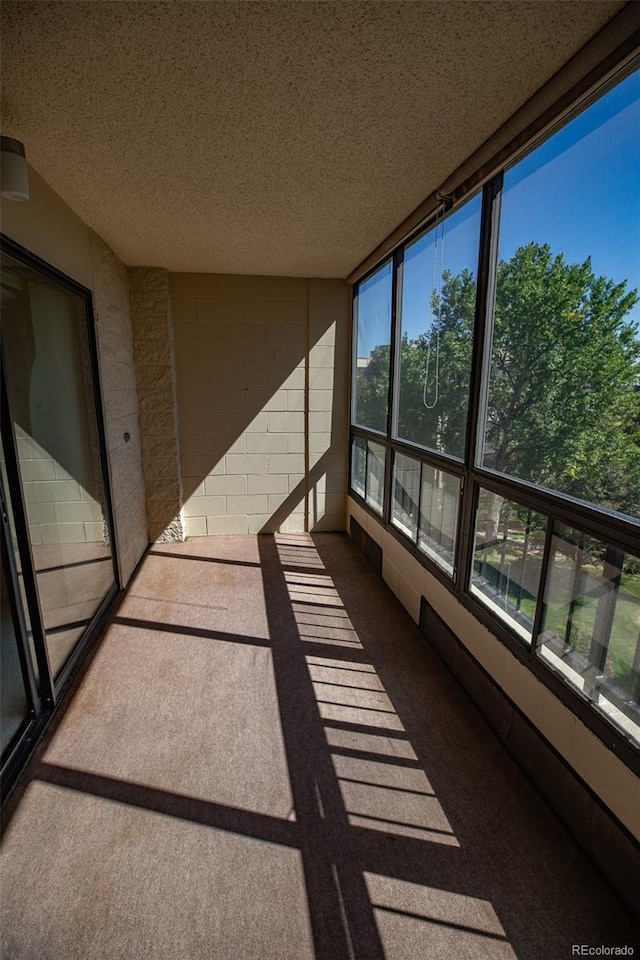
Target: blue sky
{"points": [[578, 192]]}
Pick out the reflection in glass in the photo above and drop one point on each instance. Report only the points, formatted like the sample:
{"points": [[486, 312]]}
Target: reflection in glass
{"points": [[358, 465], [13, 703], [372, 305], [563, 405], [376, 459], [439, 516], [591, 623], [507, 562], [438, 315], [406, 494], [44, 330]]}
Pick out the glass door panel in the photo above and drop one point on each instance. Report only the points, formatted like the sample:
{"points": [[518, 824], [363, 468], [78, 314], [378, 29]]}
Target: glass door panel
{"points": [[14, 702], [52, 402]]}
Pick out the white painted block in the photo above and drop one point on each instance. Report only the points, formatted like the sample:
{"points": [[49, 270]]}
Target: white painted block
{"points": [[276, 483], [256, 503], [247, 463], [285, 463], [225, 485], [195, 526], [285, 422], [204, 506], [266, 443], [221, 525]]}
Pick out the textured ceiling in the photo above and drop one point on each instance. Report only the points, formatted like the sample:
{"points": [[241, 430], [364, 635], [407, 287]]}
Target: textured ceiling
{"points": [[268, 137]]}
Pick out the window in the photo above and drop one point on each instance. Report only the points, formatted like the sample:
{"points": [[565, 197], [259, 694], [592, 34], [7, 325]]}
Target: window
{"points": [[436, 331], [514, 428], [372, 309], [563, 402], [591, 623], [507, 561]]}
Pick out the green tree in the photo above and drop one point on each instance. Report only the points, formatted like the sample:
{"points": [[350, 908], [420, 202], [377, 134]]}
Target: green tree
{"points": [[563, 405]]}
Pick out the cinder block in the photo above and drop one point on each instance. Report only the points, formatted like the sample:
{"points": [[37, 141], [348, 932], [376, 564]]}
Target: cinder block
{"points": [[220, 525], [183, 309], [293, 524], [261, 523], [195, 526], [38, 470], [81, 511], [285, 288], [222, 400], [278, 483], [246, 332], [285, 422], [46, 512], [390, 575], [53, 490], [248, 463], [190, 445], [297, 313], [226, 485], [94, 532], [193, 285], [295, 400], [201, 467], [240, 286], [294, 380], [296, 443], [276, 500], [321, 357], [62, 533], [320, 400], [269, 402], [256, 503], [321, 378], [162, 488], [297, 482], [204, 506], [266, 443], [186, 354], [325, 289], [320, 422], [285, 463], [294, 334]]}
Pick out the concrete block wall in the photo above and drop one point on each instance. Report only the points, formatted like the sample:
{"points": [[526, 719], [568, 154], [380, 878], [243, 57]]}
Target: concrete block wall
{"points": [[154, 360], [262, 382], [610, 779], [120, 403]]}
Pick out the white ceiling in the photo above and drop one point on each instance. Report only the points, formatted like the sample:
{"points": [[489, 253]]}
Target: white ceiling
{"points": [[268, 137]]}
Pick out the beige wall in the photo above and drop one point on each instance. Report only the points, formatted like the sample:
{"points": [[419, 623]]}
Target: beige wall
{"points": [[610, 779], [47, 227], [262, 377]]}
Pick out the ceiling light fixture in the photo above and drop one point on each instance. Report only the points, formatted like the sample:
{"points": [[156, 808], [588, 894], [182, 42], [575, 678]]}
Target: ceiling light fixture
{"points": [[14, 176]]}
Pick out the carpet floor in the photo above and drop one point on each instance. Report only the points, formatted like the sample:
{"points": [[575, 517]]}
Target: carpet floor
{"points": [[265, 761]]}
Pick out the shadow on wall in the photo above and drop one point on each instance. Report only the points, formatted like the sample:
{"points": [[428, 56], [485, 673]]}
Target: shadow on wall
{"points": [[262, 383]]}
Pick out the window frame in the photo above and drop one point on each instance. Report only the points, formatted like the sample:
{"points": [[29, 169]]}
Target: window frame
{"points": [[559, 509]]}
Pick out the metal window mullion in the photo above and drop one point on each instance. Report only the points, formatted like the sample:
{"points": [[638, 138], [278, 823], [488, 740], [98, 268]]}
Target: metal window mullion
{"points": [[485, 299]]}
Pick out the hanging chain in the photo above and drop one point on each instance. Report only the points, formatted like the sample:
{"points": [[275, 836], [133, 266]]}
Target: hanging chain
{"points": [[437, 270]]}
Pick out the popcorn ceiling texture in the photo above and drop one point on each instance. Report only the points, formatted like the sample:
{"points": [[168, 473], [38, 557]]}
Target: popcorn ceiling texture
{"points": [[153, 352], [262, 372], [120, 403], [250, 138]]}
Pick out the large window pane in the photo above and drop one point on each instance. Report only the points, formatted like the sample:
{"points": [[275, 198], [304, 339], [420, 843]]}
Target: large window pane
{"points": [[46, 349], [507, 562], [358, 465], [438, 312], [563, 401], [439, 516], [406, 494], [591, 623], [376, 459], [372, 307]]}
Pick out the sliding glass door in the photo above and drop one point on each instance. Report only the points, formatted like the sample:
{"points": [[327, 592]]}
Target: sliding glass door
{"points": [[60, 538]]}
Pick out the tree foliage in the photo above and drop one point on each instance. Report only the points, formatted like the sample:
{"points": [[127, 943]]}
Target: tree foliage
{"points": [[563, 404]]}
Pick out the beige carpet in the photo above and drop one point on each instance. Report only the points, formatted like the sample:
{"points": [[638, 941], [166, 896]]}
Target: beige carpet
{"points": [[264, 761]]}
